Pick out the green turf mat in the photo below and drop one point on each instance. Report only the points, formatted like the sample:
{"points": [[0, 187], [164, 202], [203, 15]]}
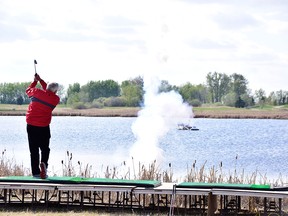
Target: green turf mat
{"points": [[107, 181], [79, 180], [222, 185], [260, 186], [53, 179]]}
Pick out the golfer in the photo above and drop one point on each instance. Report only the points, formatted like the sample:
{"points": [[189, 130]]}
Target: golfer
{"points": [[38, 118]]}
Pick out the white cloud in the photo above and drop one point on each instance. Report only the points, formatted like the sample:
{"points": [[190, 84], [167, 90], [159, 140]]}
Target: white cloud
{"points": [[181, 41]]}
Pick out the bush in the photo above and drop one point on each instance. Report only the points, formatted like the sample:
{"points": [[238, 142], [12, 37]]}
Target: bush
{"points": [[195, 103], [114, 102], [240, 103], [218, 104], [72, 99], [79, 105], [230, 99], [19, 100], [96, 104]]}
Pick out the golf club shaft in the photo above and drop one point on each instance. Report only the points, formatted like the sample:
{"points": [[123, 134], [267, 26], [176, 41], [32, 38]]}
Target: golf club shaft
{"points": [[35, 62]]}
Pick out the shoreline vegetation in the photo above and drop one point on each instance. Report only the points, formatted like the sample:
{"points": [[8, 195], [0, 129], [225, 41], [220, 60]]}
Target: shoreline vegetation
{"points": [[267, 112]]}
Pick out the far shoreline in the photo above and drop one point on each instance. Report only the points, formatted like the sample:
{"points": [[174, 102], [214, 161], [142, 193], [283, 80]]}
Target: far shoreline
{"points": [[199, 112]]}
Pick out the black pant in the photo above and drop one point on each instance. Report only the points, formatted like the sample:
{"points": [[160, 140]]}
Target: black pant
{"points": [[39, 138]]}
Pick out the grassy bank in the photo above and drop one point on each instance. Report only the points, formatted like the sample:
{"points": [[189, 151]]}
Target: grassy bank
{"points": [[269, 112], [266, 112]]}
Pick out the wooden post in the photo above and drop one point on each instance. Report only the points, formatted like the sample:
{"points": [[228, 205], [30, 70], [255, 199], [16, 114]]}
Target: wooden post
{"points": [[212, 204]]}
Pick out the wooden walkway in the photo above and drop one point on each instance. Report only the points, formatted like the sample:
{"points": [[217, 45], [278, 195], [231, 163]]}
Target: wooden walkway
{"points": [[186, 198]]}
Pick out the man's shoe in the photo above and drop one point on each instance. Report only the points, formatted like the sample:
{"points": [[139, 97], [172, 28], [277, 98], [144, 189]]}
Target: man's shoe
{"points": [[36, 176], [43, 171]]}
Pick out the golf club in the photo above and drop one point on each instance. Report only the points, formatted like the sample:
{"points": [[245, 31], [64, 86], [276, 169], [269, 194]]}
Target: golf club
{"points": [[35, 62]]}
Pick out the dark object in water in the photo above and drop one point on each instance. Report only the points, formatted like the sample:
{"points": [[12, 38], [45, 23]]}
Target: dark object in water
{"points": [[187, 127]]}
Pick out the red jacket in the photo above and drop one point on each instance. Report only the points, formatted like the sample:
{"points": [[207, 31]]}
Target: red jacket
{"points": [[43, 102]]}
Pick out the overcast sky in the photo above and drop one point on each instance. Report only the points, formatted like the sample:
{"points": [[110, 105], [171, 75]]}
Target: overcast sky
{"points": [[176, 40]]}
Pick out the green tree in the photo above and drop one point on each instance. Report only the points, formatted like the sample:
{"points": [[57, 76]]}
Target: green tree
{"points": [[166, 87], [281, 97], [97, 89], [73, 89], [230, 99], [195, 95], [73, 98], [238, 84], [260, 97], [249, 101], [11, 92], [218, 85], [132, 91]]}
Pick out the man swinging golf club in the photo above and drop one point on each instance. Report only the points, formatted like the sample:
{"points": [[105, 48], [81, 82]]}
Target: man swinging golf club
{"points": [[38, 118]]}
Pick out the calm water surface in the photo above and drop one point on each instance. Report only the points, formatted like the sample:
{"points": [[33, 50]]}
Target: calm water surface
{"points": [[258, 144]]}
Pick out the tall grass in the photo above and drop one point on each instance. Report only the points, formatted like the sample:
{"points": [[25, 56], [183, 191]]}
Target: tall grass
{"points": [[151, 172], [195, 173], [9, 167], [215, 174]]}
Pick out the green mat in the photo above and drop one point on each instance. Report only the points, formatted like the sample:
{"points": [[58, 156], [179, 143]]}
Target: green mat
{"points": [[223, 186], [30, 179], [79, 180], [106, 181]]}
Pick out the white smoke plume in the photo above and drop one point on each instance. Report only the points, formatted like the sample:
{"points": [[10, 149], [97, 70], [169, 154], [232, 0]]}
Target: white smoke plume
{"points": [[161, 112]]}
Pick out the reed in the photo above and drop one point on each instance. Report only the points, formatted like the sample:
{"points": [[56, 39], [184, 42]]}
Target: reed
{"points": [[9, 167], [68, 169], [215, 174], [201, 173]]}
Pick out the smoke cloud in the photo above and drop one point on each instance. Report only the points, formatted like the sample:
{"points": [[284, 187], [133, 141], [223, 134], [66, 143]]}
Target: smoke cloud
{"points": [[161, 112]]}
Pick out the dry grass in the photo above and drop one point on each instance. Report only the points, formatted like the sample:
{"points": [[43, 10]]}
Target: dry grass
{"points": [[201, 173], [215, 174], [20, 110], [95, 112], [9, 167]]}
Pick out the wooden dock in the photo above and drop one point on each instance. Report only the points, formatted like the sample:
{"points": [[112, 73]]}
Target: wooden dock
{"points": [[186, 198]]}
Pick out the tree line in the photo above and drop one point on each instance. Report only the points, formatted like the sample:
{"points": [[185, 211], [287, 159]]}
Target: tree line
{"points": [[220, 88]]}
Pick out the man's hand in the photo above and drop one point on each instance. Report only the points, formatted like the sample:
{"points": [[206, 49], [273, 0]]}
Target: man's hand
{"points": [[37, 77]]}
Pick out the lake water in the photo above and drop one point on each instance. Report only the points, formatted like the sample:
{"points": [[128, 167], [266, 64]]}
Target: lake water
{"points": [[103, 141]]}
